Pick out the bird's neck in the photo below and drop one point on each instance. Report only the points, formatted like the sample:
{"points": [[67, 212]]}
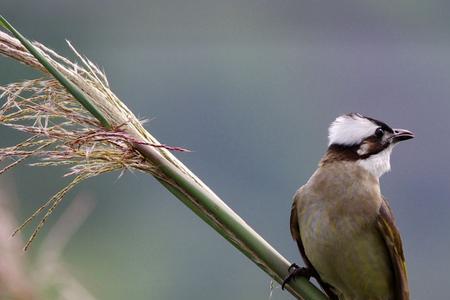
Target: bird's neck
{"points": [[376, 164], [344, 180], [379, 163], [336, 153]]}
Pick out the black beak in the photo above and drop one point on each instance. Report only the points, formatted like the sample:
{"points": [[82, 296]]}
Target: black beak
{"points": [[401, 135]]}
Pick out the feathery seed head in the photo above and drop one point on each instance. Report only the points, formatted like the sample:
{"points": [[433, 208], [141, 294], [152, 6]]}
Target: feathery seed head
{"points": [[62, 132]]}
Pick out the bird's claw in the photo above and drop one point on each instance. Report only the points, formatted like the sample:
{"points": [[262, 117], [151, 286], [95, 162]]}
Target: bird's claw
{"points": [[295, 271], [293, 266]]}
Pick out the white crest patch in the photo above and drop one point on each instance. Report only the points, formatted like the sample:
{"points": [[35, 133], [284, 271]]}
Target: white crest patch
{"points": [[350, 130], [379, 163]]}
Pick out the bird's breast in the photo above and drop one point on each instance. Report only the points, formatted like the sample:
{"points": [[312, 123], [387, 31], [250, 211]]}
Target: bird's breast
{"points": [[337, 211]]}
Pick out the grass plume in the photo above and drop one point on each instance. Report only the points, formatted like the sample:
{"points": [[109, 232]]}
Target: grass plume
{"points": [[63, 132]]}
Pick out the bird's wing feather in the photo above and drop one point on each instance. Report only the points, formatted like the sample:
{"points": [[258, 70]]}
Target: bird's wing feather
{"points": [[295, 232], [389, 232]]}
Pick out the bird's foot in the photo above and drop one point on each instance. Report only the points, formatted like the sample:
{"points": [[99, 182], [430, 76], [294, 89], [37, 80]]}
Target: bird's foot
{"points": [[295, 271]]}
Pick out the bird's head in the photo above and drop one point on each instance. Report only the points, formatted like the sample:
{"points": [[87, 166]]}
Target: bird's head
{"points": [[364, 140]]}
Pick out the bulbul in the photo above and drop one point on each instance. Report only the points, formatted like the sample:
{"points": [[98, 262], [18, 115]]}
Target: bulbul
{"points": [[343, 225]]}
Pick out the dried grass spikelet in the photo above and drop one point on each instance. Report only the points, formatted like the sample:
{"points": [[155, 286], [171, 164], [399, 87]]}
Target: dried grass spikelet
{"points": [[62, 131]]}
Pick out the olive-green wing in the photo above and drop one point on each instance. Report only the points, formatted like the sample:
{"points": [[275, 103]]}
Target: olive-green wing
{"points": [[389, 232], [295, 232]]}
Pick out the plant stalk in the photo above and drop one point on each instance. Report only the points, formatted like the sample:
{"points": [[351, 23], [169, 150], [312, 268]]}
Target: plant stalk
{"points": [[182, 183], [210, 208]]}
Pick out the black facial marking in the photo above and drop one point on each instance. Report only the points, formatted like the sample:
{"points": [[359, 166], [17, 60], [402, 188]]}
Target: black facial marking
{"points": [[383, 125], [337, 152], [373, 144]]}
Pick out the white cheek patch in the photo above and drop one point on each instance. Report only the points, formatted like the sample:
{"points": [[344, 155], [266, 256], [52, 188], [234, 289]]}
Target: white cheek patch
{"points": [[350, 130], [363, 149], [379, 163]]}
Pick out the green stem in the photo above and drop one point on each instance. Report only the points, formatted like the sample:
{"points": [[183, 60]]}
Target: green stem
{"points": [[227, 223], [200, 199]]}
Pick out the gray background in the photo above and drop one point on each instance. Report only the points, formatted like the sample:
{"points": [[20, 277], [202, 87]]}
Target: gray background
{"points": [[251, 87]]}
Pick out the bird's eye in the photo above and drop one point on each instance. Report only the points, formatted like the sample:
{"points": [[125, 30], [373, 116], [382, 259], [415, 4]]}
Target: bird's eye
{"points": [[379, 132]]}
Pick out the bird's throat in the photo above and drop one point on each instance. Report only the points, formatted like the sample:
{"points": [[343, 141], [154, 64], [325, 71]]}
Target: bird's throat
{"points": [[379, 163]]}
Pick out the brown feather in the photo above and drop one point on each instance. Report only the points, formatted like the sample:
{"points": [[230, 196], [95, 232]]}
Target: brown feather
{"points": [[389, 232]]}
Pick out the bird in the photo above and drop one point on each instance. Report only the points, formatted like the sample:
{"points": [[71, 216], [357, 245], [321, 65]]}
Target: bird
{"points": [[344, 227]]}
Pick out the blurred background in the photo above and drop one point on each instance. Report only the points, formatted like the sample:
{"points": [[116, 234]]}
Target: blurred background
{"points": [[250, 86]]}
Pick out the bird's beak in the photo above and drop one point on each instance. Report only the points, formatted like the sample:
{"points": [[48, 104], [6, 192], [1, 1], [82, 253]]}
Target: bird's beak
{"points": [[401, 135]]}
